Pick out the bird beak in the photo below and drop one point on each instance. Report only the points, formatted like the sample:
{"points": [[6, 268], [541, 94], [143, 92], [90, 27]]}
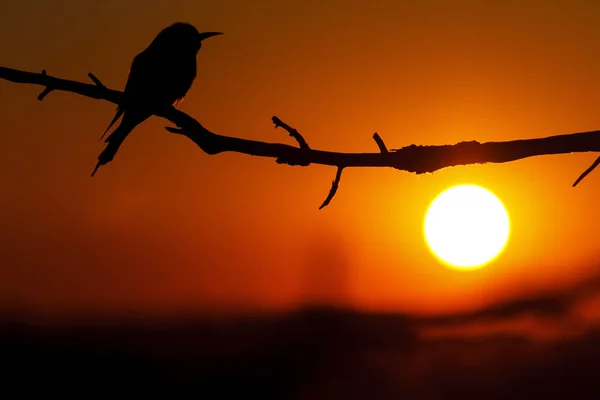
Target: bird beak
{"points": [[206, 35]]}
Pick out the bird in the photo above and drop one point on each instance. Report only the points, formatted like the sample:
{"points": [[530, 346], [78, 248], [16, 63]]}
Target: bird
{"points": [[159, 76]]}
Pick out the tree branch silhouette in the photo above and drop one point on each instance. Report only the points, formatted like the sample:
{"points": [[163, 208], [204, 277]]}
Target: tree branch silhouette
{"points": [[418, 159]]}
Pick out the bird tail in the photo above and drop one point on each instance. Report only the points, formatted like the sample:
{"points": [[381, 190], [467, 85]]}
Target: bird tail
{"points": [[108, 153], [120, 112], [116, 138]]}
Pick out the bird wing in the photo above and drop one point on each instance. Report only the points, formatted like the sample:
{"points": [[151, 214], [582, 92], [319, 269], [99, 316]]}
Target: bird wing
{"points": [[151, 80], [133, 81], [138, 80], [136, 88], [120, 112], [155, 80]]}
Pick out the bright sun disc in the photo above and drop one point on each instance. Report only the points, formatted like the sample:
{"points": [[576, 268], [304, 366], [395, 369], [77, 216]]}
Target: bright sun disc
{"points": [[466, 226]]}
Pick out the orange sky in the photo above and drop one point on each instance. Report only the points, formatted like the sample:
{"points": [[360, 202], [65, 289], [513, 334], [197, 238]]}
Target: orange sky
{"points": [[166, 227]]}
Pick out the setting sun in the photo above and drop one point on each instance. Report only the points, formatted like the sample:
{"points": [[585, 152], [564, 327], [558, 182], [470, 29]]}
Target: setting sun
{"points": [[466, 226]]}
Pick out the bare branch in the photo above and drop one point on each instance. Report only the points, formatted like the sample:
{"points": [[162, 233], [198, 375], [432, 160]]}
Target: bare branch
{"points": [[334, 187], [413, 158], [96, 80], [293, 132], [92, 91], [46, 91], [380, 143], [296, 135], [587, 171]]}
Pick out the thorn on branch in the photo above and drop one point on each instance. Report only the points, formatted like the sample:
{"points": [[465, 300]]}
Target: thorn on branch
{"points": [[46, 91], [380, 143], [334, 187], [293, 132], [587, 171], [96, 80]]}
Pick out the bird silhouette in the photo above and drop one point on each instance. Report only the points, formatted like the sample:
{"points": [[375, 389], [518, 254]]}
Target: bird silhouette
{"points": [[160, 76]]}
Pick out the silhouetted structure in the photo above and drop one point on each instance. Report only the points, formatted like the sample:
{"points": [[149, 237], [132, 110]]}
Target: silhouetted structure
{"points": [[160, 76], [413, 158]]}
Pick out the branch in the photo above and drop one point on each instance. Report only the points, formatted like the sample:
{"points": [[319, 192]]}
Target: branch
{"points": [[96, 80], [46, 91], [587, 171], [380, 143], [413, 158], [293, 132], [334, 187], [296, 135]]}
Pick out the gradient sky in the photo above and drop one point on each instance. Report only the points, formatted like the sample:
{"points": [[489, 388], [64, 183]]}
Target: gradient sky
{"points": [[167, 228]]}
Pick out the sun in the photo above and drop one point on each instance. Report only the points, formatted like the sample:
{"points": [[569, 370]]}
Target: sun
{"points": [[466, 227]]}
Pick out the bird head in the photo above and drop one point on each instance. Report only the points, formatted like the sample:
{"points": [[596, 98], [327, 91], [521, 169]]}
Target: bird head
{"points": [[182, 37]]}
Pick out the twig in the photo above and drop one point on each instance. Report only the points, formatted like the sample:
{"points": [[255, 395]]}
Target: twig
{"points": [[334, 187], [46, 91], [299, 138], [380, 143], [293, 132], [417, 159], [587, 171], [96, 80]]}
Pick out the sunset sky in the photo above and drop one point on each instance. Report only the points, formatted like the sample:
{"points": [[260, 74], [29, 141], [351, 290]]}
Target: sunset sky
{"points": [[166, 228]]}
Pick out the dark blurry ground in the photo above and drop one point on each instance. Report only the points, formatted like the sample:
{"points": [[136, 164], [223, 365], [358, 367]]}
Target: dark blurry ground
{"points": [[312, 354]]}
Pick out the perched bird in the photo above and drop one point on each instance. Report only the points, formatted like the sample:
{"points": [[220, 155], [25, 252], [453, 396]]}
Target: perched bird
{"points": [[160, 76]]}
